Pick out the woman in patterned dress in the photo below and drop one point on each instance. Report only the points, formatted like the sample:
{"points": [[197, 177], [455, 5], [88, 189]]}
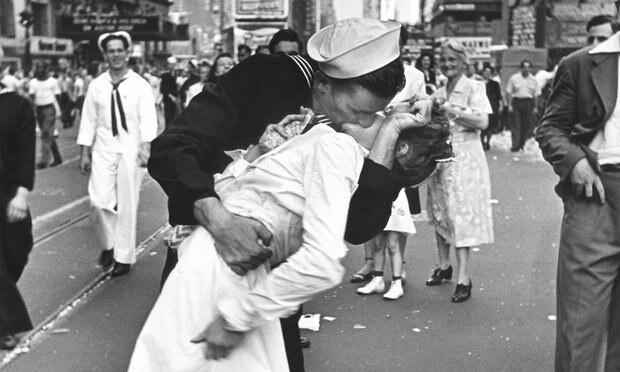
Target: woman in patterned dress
{"points": [[459, 192]]}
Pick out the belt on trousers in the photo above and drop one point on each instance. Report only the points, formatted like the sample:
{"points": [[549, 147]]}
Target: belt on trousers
{"points": [[610, 167], [521, 98]]}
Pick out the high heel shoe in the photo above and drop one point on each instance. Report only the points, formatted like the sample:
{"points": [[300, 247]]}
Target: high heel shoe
{"points": [[439, 276], [462, 292], [361, 278]]}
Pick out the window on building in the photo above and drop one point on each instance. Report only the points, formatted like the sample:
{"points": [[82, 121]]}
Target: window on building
{"points": [[40, 20], [7, 19]]}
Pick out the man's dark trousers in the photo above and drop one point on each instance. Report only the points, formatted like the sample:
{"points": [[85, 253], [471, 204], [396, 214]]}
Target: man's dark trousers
{"points": [[522, 121], [588, 283], [15, 246]]}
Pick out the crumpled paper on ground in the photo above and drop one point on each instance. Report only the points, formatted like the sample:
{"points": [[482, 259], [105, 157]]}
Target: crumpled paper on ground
{"points": [[310, 321]]}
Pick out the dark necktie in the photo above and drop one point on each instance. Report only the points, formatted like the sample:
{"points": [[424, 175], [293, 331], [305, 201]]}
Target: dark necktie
{"points": [[120, 109]]}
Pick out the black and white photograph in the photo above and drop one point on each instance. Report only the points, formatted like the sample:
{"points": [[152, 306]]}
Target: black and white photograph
{"points": [[310, 185]]}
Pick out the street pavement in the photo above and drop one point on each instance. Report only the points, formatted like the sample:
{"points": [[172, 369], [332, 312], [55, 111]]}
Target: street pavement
{"points": [[88, 322]]}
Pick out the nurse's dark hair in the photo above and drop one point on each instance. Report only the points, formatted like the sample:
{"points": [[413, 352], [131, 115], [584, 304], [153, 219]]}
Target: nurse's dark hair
{"points": [[428, 146], [384, 82]]}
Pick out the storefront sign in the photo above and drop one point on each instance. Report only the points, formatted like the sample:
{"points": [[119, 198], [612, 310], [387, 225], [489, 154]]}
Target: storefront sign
{"points": [[478, 48], [489, 7], [260, 9], [75, 26], [50, 46], [459, 7]]}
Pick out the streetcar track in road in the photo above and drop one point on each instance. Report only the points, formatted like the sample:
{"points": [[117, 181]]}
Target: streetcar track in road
{"points": [[81, 298], [68, 223], [64, 226]]}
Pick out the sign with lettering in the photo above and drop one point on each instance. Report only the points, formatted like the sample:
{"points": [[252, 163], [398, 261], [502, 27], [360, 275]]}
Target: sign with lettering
{"points": [[88, 26], [478, 48], [50, 46], [260, 9]]}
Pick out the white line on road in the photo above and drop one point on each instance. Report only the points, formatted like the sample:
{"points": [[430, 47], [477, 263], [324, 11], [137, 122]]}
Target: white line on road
{"points": [[47, 216], [50, 215]]}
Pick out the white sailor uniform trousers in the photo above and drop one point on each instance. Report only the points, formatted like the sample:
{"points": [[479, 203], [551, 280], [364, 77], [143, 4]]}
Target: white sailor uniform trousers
{"points": [[116, 175]]}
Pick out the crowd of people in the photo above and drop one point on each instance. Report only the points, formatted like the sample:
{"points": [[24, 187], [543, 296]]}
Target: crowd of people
{"points": [[263, 195]]}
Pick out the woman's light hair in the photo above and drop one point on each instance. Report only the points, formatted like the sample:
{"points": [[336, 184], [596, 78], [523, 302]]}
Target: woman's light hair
{"points": [[456, 47]]}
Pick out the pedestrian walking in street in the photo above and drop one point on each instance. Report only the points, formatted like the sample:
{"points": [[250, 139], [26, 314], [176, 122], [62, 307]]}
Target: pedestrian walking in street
{"points": [[44, 91], [118, 123], [221, 65], [286, 41], [459, 193], [426, 64], [494, 95], [66, 99], [79, 92], [307, 217], [600, 28], [190, 78], [522, 92], [169, 91], [243, 52], [17, 159], [203, 72], [262, 90], [579, 135], [399, 224]]}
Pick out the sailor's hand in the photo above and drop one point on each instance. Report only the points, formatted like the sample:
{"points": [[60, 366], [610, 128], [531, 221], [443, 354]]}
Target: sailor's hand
{"points": [[242, 242]]}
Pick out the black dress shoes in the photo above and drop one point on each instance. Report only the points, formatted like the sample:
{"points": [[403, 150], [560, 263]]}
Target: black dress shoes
{"points": [[120, 269], [106, 259], [8, 342], [462, 292], [361, 278], [304, 342], [439, 276]]}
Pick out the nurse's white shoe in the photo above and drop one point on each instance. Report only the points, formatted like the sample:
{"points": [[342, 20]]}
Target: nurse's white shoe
{"points": [[376, 285]]}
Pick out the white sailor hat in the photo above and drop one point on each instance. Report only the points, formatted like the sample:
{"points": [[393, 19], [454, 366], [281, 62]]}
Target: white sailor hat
{"points": [[354, 47], [118, 34], [172, 60]]}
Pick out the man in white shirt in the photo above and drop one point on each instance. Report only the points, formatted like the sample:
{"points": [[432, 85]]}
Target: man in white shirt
{"points": [[522, 93], [579, 135], [118, 123], [44, 92]]}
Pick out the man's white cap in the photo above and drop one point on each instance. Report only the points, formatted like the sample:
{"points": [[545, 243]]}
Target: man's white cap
{"points": [[354, 47], [171, 60], [121, 34]]}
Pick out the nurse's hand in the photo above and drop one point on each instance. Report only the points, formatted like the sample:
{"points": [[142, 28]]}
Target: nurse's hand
{"points": [[242, 242], [220, 341]]}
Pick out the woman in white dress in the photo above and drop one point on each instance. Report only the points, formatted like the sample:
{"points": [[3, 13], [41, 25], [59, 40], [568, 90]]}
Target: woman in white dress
{"points": [[459, 193]]}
